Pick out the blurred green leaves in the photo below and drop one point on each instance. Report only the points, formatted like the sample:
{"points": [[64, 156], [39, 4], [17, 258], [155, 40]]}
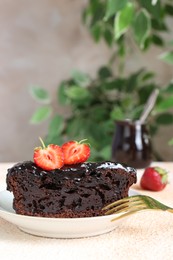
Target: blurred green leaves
{"points": [[143, 21], [142, 27], [40, 94], [80, 78], [165, 104], [41, 114], [77, 93], [114, 6], [171, 142], [96, 104], [167, 57], [123, 19]]}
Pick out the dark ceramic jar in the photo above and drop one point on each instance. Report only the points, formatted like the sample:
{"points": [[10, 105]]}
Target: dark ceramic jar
{"points": [[132, 144]]}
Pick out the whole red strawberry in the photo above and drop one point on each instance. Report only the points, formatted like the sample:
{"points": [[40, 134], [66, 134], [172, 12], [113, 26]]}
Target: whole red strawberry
{"points": [[50, 157], [75, 152], [154, 179]]}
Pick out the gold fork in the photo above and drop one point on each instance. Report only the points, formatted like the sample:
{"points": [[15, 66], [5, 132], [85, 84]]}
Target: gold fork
{"points": [[131, 205]]}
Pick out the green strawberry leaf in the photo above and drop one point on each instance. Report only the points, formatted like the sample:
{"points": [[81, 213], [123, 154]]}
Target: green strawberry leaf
{"points": [[164, 178], [160, 170], [163, 173]]}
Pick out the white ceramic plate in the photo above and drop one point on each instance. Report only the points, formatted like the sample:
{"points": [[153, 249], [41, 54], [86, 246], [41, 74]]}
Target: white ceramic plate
{"points": [[56, 227]]}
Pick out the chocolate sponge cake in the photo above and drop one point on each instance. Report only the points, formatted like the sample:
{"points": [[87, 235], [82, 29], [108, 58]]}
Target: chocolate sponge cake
{"points": [[80, 190]]}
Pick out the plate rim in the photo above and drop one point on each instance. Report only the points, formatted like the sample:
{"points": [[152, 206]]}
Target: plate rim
{"points": [[63, 228]]}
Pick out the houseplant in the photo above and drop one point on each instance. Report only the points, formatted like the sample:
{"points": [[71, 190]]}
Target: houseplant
{"points": [[95, 103]]}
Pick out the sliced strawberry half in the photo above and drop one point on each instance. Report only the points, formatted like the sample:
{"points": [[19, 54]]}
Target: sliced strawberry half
{"points": [[75, 152], [49, 158]]}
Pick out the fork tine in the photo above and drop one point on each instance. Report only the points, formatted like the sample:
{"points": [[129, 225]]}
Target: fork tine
{"points": [[126, 207], [126, 214], [118, 207], [116, 203], [131, 205], [131, 212], [121, 202]]}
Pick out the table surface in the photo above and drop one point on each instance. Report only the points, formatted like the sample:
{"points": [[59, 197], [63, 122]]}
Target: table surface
{"points": [[145, 235]]}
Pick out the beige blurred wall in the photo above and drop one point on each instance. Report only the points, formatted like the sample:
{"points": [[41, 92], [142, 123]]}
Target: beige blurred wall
{"points": [[40, 43]]}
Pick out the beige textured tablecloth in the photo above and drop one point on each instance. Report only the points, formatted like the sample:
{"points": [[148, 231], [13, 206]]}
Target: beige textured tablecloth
{"points": [[145, 235]]}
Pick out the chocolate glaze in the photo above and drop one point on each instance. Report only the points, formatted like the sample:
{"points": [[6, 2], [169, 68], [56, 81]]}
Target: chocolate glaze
{"points": [[73, 191]]}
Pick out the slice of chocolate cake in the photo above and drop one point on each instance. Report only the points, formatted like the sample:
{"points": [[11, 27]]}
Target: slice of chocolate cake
{"points": [[73, 191]]}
